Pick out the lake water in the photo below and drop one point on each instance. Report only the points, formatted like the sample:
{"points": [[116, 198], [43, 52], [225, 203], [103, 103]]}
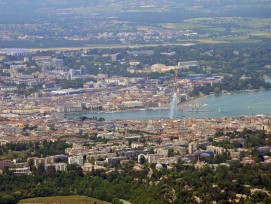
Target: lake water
{"points": [[232, 105]]}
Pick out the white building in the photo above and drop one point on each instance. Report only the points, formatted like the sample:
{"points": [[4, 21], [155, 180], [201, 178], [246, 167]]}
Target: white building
{"points": [[136, 145], [133, 104], [22, 170], [217, 150], [151, 158], [76, 160], [59, 166], [89, 167], [162, 151], [188, 64], [72, 73]]}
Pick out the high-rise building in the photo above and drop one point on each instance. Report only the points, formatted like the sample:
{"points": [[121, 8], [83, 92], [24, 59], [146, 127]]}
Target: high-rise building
{"points": [[71, 73], [192, 147]]}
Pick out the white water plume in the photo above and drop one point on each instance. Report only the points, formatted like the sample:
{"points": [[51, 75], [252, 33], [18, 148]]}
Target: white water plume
{"points": [[173, 105]]}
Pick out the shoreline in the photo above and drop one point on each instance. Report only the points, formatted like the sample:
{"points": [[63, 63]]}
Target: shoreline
{"points": [[183, 104], [180, 106]]}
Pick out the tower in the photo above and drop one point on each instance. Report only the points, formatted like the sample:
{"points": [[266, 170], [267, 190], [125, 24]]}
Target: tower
{"points": [[71, 73], [192, 147]]}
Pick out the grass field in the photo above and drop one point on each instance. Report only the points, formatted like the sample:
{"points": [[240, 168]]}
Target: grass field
{"points": [[262, 34], [64, 199], [183, 26], [211, 41], [238, 39]]}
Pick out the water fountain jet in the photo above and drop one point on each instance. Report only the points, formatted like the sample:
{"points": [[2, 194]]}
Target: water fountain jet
{"points": [[173, 105]]}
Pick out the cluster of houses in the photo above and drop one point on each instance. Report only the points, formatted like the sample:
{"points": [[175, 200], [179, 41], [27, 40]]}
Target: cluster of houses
{"points": [[100, 156]]}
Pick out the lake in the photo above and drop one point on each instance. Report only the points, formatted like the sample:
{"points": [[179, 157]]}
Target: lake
{"points": [[231, 105]]}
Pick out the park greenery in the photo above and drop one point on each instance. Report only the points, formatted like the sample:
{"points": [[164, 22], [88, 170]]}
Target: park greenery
{"points": [[183, 184], [21, 151]]}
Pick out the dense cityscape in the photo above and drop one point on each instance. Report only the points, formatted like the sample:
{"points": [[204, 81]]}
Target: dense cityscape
{"points": [[120, 102]]}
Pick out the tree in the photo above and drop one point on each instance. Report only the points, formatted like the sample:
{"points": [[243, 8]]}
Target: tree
{"points": [[171, 152], [116, 201], [41, 169], [31, 164], [6, 170], [259, 196], [84, 118], [7, 199], [142, 159], [51, 170], [75, 169]]}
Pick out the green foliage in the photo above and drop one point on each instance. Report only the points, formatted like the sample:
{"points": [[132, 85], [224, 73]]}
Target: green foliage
{"points": [[253, 139], [25, 150], [208, 184], [171, 152], [116, 201]]}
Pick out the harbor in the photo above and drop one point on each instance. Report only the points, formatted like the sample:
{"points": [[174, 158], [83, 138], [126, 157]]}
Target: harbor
{"points": [[229, 105]]}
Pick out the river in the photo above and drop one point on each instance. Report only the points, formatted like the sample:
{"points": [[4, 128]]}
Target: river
{"points": [[231, 105]]}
